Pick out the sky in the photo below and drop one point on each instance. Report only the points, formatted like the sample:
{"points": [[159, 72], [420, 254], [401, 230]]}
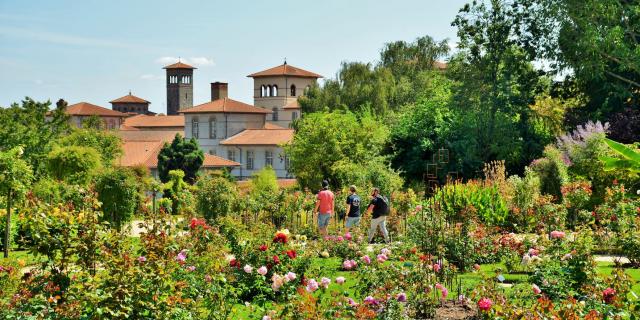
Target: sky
{"points": [[96, 51]]}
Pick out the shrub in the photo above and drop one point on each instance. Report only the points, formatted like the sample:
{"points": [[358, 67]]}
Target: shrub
{"points": [[119, 194], [215, 197], [525, 192], [73, 164], [552, 171], [487, 201]]}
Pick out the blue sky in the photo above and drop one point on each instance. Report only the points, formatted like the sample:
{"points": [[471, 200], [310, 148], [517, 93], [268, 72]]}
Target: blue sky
{"points": [[96, 51]]}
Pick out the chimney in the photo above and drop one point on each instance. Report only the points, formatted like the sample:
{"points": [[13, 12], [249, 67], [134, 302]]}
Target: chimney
{"points": [[219, 90]]}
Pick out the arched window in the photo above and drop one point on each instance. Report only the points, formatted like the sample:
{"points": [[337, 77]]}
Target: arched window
{"points": [[268, 91], [275, 114], [195, 128], [263, 91], [293, 90], [274, 91]]}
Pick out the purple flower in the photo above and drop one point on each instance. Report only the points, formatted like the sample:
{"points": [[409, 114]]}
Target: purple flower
{"points": [[401, 297], [182, 256], [312, 285], [370, 300]]}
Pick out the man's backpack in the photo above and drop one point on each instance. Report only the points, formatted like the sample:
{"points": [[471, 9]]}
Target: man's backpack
{"points": [[387, 207]]}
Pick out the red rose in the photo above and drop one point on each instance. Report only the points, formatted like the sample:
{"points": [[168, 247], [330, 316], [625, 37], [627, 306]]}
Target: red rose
{"points": [[276, 260], [233, 263], [608, 295], [292, 254], [280, 237], [263, 247]]}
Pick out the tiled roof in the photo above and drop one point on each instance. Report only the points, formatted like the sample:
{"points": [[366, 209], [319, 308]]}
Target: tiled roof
{"points": [[215, 161], [88, 109], [129, 99], [148, 135], [145, 121], [292, 105], [256, 137], [272, 126], [179, 65], [225, 105], [285, 70], [145, 152]]}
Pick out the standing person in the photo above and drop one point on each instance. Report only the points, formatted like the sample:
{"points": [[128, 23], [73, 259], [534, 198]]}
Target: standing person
{"points": [[353, 208], [324, 207], [379, 205]]}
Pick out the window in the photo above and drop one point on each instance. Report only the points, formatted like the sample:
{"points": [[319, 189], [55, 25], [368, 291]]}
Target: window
{"points": [[212, 128], [249, 160], [268, 93], [293, 90], [231, 155], [275, 114], [263, 91], [212, 152], [195, 128], [274, 91], [268, 158], [294, 116], [287, 163]]}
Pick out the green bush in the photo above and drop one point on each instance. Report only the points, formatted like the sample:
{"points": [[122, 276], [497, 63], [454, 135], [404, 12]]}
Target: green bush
{"points": [[73, 164], [525, 191], [119, 194], [215, 197], [486, 200], [552, 171]]}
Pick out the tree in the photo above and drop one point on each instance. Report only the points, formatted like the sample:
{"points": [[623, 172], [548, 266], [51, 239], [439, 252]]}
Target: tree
{"points": [[215, 196], [106, 143], [397, 79], [33, 126], [326, 142], [73, 164], [15, 177], [181, 154], [119, 193], [179, 192]]}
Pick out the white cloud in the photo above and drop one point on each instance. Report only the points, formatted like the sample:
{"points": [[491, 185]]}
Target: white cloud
{"points": [[194, 61], [151, 77], [452, 45]]}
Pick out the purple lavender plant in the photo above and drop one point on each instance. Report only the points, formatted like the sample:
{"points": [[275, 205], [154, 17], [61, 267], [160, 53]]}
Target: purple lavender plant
{"points": [[581, 134]]}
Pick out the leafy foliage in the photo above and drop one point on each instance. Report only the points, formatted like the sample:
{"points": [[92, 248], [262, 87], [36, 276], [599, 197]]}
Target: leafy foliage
{"points": [[106, 143], [74, 164], [118, 191], [183, 155], [215, 197]]}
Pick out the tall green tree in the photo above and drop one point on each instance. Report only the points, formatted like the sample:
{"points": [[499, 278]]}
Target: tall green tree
{"points": [[33, 126], [328, 143], [118, 191], [215, 196], [181, 154], [15, 177], [495, 85]]}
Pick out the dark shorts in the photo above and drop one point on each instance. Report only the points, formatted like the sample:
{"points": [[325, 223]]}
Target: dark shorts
{"points": [[323, 219]]}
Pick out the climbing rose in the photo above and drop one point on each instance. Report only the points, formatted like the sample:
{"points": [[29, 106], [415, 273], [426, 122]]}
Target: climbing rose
{"points": [[485, 304], [262, 270]]}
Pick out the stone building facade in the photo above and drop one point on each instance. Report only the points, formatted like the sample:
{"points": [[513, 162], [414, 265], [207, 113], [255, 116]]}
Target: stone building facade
{"points": [[179, 87]]}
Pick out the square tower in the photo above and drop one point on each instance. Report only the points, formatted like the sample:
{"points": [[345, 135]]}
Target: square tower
{"points": [[277, 89], [179, 87]]}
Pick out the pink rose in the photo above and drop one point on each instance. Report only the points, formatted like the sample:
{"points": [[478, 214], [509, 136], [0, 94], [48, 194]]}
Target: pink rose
{"points": [[142, 259], [312, 285], [191, 268], [182, 256], [262, 270], [385, 251], [536, 289], [436, 267], [248, 269], [366, 259], [339, 238], [324, 282], [290, 276], [347, 236], [485, 304], [557, 234], [382, 258], [419, 207], [340, 280]]}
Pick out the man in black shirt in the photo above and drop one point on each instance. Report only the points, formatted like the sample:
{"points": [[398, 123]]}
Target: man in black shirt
{"points": [[353, 209], [379, 205]]}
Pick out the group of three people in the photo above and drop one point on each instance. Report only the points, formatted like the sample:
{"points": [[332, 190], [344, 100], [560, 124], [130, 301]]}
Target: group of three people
{"points": [[378, 208]]}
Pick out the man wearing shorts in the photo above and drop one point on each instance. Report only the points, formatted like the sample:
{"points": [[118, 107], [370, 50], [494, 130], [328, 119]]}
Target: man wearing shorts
{"points": [[353, 209], [324, 207]]}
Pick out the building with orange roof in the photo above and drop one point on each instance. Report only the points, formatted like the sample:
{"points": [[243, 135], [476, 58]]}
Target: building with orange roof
{"points": [[154, 122], [81, 111], [179, 82], [131, 104], [278, 89]]}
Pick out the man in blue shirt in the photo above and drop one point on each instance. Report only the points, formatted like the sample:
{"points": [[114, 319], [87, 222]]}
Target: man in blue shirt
{"points": [[353, 209]]}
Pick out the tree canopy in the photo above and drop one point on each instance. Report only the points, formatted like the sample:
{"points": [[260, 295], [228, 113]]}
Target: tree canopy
{"points": [[181, 154]]}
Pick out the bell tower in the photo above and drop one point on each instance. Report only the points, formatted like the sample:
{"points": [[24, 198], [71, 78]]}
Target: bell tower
{"points": [[179, 87]]}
